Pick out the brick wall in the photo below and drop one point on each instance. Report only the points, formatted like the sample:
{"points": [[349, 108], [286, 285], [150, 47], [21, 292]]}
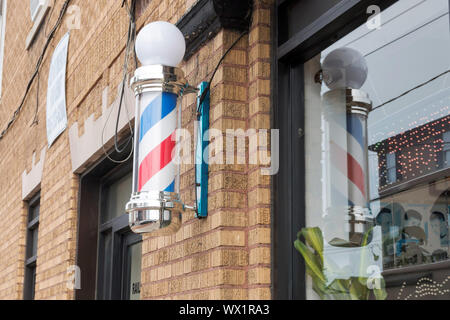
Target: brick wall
{"points": [[226, 256]]}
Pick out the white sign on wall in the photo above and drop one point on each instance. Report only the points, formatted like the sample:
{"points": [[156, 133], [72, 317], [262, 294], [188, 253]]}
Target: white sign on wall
{"points": [[56, 92]]}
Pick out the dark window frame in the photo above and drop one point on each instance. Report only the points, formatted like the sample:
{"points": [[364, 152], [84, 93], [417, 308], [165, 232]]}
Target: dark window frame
{"points": [[121, 234], [90, 204], [31, 247]]}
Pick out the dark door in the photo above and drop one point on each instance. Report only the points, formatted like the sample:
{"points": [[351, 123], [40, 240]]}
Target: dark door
{"points": [[119, 250], [131, 266]]}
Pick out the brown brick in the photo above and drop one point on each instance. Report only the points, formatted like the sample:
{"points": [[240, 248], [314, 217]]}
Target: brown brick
{"points": [[259, 235], [206, 259]]}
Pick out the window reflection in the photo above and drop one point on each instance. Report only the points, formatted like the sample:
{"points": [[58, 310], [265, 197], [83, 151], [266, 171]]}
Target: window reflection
{"points": [[412, 154], [408, 132], [415, 226]]}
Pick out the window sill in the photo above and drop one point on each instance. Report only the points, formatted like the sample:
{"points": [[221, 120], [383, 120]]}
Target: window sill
{"points": [[37, 23]]}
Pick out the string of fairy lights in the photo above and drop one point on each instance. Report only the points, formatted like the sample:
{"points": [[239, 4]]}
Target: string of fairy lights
{"points": [[418, 151]]}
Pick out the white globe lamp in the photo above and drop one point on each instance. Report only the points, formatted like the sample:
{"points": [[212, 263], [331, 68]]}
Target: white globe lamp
{"points": [[344, 68], [160, 43]]}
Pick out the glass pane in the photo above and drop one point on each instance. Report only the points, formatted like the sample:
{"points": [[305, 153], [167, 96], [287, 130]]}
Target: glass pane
{"points": [[32, 242], [117, 196], [387, 167], [105, 265], [305, 12], [30, 283], [135, 254], [446, 142], [33, 212], [447, 159]]}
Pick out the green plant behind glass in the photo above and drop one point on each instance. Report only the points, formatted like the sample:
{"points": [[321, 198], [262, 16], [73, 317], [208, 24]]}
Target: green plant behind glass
{"points": [[354, 288]]}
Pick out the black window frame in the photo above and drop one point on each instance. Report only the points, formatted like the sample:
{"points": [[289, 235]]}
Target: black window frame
{"points": [[31, 247]]}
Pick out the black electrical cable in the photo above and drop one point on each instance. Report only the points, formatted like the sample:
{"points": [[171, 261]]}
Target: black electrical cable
{"points": [[130, 46], [36, 71], [131, 37], [411, 90], [49, 18], [208, 88]]}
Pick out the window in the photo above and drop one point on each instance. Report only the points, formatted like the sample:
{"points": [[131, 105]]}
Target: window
{"points": [[31, 248], [404, 132], [405, 186], [446, 149], [119, 251], [391, 167], [38, 10], [108, 253], [36, 6]]}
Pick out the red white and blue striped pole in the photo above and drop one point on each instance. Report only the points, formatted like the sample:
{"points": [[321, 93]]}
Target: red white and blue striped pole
{"points": [[155, 205], [158, 123], [346, 109], [348, 153]]}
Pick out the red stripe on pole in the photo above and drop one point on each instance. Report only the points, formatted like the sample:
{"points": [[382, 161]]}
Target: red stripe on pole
{"points": [[353, 171], [156, 160], [356, 173]]}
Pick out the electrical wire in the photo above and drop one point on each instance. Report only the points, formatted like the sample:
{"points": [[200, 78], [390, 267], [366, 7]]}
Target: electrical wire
{"points": [[407, 34], [208, 88], [49, 18], [131, 37], [202, 99], [36, 71], [410, 90]]}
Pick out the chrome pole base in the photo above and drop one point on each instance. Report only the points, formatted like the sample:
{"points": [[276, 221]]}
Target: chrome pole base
{"points": [[359, 222], [155, 212], [347, 225]]}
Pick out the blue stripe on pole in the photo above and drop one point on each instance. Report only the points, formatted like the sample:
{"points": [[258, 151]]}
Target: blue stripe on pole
{"points": [[171, 188], [355, 128], [157, 110]]}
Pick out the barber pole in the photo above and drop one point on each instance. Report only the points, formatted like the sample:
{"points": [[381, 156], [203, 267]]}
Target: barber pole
{"points": [[158, 123], [346, 162], [347, 148], [155, 205]]}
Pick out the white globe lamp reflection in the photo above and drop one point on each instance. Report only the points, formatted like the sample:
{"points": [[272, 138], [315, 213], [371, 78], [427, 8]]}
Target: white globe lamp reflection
{"points": [[344, 68], [160, 43]]}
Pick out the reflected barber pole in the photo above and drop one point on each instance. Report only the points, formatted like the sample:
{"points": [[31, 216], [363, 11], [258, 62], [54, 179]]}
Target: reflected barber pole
{"points": [[158, 123], [345, 160], [346, 163], [350, 160], [357, 160]]}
